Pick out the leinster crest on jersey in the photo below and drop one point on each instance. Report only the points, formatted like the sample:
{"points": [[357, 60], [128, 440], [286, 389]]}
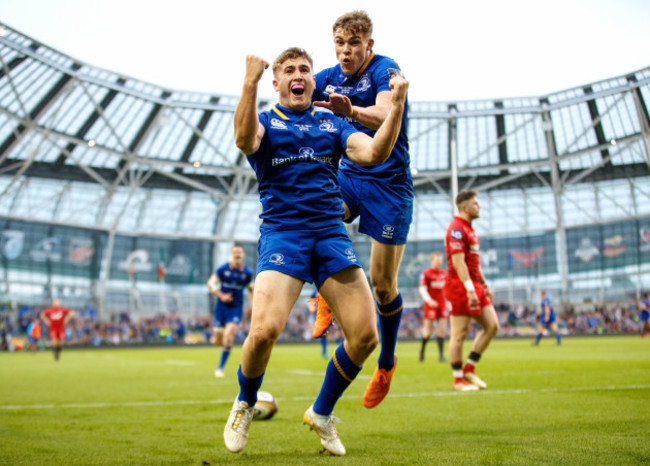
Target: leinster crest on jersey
{"points": [[363, 84]]}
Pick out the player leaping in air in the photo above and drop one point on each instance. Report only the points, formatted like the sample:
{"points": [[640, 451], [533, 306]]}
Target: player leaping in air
{"points": [[357, 89]]}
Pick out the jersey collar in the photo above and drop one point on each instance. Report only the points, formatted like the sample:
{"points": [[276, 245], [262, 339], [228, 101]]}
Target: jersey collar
{"points": [[282, 112]]}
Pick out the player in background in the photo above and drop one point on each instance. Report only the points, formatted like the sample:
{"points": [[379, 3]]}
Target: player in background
{"points": [[34, 334], [644, 315], [312, 307], [357, 89], [295, 153], [432, 281], [468, 293], [55, 317], [227, 283], [547, 319]]}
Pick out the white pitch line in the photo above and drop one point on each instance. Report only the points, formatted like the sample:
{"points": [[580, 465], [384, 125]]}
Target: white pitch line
{"points": [[321, 374], [130, 404], [178, 362]]}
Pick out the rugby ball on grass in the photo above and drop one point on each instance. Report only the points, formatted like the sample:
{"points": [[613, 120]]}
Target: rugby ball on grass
{"points": [[266, 406]]}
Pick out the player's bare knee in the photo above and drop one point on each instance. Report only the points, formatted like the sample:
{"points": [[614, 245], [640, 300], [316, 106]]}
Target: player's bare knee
{"points": [[263, 337], [384, 292], [458, 337], [365, 342], [492, 328]]}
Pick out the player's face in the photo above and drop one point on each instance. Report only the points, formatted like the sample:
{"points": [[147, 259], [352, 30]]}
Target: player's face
{"points": [[352, 49], [295, 83], [436, 261], [237, 254], [472, 208]]}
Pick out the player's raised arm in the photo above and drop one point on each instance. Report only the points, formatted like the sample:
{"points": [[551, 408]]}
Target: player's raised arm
{"points": [[362, 149], [248, 130]]}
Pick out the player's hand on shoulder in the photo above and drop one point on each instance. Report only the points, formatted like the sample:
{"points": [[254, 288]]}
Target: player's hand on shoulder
{"points": [[255, 67]]}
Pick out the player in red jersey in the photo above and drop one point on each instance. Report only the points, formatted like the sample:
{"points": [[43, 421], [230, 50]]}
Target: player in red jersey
{"points": [[55, 317], [468, 293], [432, 281]]}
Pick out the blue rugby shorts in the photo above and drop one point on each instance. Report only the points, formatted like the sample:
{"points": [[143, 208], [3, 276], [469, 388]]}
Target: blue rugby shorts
{"points": [[385, 207], [309, 255]]}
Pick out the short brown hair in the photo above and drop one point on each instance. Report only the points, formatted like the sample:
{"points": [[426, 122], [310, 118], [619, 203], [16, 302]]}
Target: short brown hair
{"points": [[355, 22], [465, 195], [291, 54]]}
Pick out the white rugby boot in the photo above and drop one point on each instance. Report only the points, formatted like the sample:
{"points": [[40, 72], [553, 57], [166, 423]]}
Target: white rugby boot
{"points": [[462, 385], [324, 427], [474, 379], [235, 434]]}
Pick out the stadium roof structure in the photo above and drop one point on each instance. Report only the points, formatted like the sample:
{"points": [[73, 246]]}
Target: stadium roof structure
{"points": [[88, 147]]}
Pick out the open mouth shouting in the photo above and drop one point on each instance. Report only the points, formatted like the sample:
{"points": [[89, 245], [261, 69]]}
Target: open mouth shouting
{"points": [[298, 89]]}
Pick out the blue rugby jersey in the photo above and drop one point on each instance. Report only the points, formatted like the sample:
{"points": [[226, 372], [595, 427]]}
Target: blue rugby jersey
{"points": [[234, 281], [547, 302], [362, 89], [297, 167]]}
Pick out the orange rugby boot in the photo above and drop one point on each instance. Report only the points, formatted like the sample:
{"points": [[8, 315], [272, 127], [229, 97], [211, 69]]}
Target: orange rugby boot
{"points": [[378, 387], [323, 318]]}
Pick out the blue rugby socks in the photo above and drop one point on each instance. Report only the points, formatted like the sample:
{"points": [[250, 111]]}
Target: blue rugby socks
{"points": [[248, 388], [341, 371], [224, 356], [389, 318]]}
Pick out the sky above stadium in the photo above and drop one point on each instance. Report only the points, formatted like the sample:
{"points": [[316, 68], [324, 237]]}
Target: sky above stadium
{"points": [[451, 50]]}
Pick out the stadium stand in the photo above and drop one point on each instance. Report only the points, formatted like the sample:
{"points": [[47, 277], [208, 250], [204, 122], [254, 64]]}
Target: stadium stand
{"points": [[122, 195]]}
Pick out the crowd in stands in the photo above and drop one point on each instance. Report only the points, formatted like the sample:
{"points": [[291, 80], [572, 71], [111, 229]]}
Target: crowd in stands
{"points": [[86, 329]]}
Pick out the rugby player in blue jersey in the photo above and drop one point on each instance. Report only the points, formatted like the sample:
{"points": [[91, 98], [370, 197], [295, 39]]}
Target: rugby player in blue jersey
{"points": [[357, 89], [295, 153], [547, 319], [227, 283]]}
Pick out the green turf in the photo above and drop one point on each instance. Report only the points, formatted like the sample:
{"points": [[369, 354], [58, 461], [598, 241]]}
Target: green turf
{"points": [[585, 402]]}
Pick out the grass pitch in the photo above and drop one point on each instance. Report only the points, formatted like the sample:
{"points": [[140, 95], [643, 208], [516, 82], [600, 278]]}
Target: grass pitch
{"points": [[585, 402]]}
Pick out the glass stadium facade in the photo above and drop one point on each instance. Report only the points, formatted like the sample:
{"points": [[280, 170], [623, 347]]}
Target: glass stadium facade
{"points": [[123, 194]]}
